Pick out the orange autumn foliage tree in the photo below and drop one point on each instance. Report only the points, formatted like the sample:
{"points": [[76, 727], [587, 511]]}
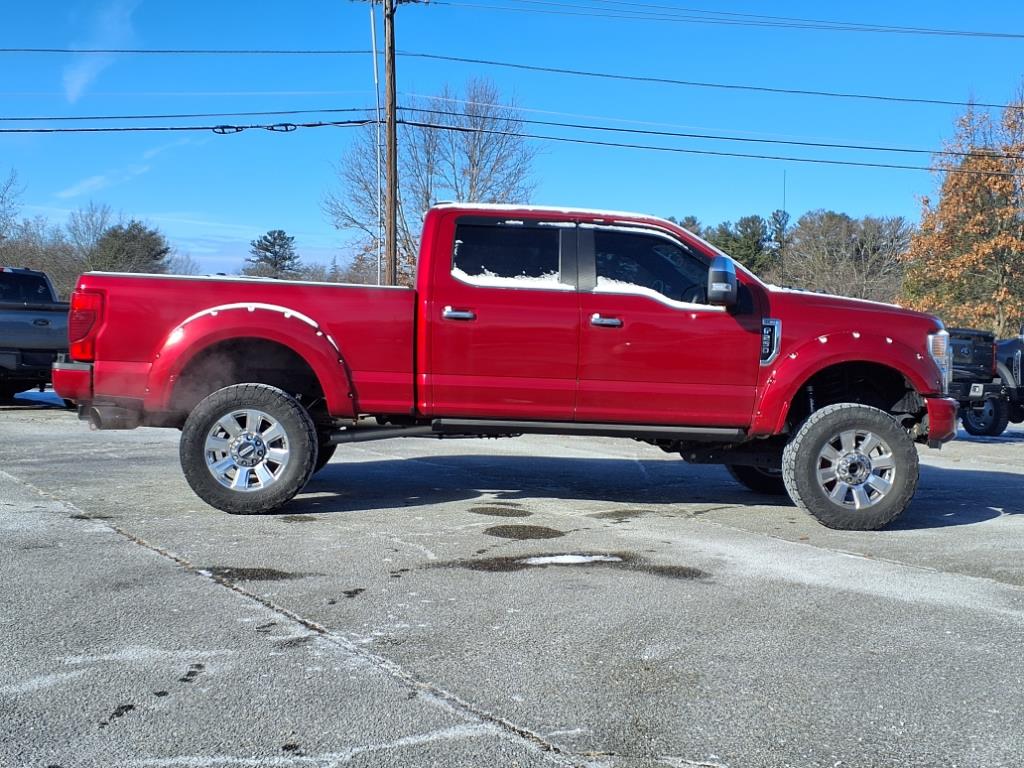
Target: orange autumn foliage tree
{"points": [[966, 263]]}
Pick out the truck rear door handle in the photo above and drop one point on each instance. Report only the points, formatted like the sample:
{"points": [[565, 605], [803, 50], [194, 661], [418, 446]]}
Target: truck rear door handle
{"points": [[605, 322], [450, 313], [41, 322]]}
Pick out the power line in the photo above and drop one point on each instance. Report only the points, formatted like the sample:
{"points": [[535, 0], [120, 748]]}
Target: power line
{"points": [[193, 115], [526, 121], [220, 129], [526, 67], [709, 152], [704, 84], [195, 51], [855, 26], [289, 127], [715, 137], [751, 21]]}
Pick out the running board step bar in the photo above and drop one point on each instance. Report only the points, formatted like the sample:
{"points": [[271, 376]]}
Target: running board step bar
{"points": [[638, 431]]}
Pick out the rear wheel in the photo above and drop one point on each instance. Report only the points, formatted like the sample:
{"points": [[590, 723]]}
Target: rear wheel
{"points": [[757, 479], [990, 418], [851, 466], [325, 453], [248, 448]]}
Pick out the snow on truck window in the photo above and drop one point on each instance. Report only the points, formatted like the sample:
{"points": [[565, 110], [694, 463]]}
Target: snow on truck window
{"points": [[501, 256], [631, 262]]}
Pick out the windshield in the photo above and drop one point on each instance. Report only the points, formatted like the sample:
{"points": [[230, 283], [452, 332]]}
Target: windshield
{"points": [[21, 288]]}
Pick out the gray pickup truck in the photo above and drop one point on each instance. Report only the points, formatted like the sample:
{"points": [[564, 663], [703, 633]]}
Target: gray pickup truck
{"points": [[33, 330]]}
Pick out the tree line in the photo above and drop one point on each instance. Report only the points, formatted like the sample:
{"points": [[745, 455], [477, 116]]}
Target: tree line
{"points": [[965, 262]]}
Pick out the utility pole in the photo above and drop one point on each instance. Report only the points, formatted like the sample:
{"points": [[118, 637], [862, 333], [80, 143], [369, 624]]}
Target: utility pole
{"points": [[391, 140]]}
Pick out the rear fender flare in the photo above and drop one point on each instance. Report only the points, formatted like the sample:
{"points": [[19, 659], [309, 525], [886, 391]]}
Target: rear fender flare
{"points": [[252, 320], [791, 371]]}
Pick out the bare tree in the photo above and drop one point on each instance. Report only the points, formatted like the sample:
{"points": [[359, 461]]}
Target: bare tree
{"points": [[470, 149], [182, 264], [10, 193], [862, 258], [86, 228]]}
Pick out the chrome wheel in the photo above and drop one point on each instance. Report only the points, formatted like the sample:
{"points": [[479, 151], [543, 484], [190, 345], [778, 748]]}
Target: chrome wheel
{"points": [[856, 468], [247, 450]]}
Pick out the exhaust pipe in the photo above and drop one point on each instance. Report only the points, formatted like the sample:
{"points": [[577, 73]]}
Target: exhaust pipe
{"points": [[111, 417]]}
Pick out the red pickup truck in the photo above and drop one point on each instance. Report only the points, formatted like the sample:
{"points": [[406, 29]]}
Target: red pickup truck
{"points": [[523, 320]]}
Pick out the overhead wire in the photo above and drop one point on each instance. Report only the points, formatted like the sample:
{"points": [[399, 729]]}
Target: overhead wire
{"points": [[529, 67], [709, 152], [715, 137], [668, 15], [180, 116]]}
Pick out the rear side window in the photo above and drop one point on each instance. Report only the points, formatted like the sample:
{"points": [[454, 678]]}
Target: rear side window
{"points": [[509, 255], [24, 288]]}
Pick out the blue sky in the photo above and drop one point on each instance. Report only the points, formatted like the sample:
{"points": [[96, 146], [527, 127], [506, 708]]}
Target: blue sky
{"points": [[212, 194]]}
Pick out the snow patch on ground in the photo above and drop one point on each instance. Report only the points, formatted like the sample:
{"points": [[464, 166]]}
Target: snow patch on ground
{"points": [[570, 559]]}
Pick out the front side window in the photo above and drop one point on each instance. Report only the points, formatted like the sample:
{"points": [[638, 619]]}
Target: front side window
{"points": [[637, 262], [507, 254]]}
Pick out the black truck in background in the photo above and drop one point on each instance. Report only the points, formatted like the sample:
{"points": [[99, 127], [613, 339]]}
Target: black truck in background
{"points": [[1008, 369], [33, 330], [986, 380]]}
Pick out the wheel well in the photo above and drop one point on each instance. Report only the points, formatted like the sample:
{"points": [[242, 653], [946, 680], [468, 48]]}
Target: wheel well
{"points": [[247, 360], [859, 382]]}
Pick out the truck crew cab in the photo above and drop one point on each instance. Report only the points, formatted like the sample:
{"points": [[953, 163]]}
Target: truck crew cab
{"points": [[522, 320]]}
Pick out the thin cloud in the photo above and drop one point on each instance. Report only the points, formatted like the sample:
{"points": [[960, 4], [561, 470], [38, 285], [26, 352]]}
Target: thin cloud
{"points": [[102, 181], [111, 27]]}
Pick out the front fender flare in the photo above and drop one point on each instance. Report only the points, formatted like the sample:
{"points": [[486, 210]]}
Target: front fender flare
{"points": [[252, 320], [788, 374]]}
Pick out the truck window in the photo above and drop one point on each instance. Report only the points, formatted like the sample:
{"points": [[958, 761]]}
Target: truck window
{"points": [[507, 254], [625, 260], [23, 288]]}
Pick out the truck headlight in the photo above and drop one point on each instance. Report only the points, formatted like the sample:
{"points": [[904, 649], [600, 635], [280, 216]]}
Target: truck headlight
{"points": [[942, 354]]}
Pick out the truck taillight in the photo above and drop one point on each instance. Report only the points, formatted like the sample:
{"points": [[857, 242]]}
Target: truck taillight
{"points": [[85, 313]]}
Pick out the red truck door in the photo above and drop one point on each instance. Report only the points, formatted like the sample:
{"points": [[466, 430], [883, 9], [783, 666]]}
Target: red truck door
{"points": [[504, 320], [651, 350]]}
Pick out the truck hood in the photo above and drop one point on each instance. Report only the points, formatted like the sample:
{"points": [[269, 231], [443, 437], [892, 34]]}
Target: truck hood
{"points": [[842, 308]]}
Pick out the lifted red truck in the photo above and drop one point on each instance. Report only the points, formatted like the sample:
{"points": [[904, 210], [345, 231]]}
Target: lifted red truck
{"points": [[523, 320]]}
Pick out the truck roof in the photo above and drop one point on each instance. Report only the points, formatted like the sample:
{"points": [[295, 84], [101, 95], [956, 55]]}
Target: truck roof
{"points": [[594, 213]]}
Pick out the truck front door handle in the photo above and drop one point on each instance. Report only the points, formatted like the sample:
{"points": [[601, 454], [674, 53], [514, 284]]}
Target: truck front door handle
{"points": [[450, 313], [605, 322]]}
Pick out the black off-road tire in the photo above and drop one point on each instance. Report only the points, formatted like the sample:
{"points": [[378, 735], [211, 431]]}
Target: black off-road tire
{"points": [[802, 458], [991, 422], [7, 393], [757, 479], [298, 428], [324, 454]]}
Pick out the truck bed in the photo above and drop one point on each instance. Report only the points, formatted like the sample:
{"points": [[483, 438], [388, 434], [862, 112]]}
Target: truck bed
{"points": [[372, 326]]}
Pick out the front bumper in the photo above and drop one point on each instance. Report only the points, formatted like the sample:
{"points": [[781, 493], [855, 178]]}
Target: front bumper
{"points": [[975, 392], [73, 381], [942, 413]]}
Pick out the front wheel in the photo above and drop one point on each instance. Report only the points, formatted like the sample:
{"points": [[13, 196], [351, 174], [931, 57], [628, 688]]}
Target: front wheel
{"points": [[851, 466], [248, 448], [989, 419]]}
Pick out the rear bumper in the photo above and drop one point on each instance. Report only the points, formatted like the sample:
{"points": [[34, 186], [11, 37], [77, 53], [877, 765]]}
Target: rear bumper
{"points": [[942, 412], [73, 381], [26, 365]]}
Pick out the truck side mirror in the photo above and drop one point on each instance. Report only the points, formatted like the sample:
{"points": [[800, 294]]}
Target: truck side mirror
{"points": [[722, 282], [1022, 331]]}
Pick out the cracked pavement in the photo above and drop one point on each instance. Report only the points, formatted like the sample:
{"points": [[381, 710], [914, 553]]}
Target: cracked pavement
{"points": [[386, 617]]}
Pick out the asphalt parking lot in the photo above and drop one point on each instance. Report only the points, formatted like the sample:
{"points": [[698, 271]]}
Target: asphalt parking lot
{"points": [[391, 616]]}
